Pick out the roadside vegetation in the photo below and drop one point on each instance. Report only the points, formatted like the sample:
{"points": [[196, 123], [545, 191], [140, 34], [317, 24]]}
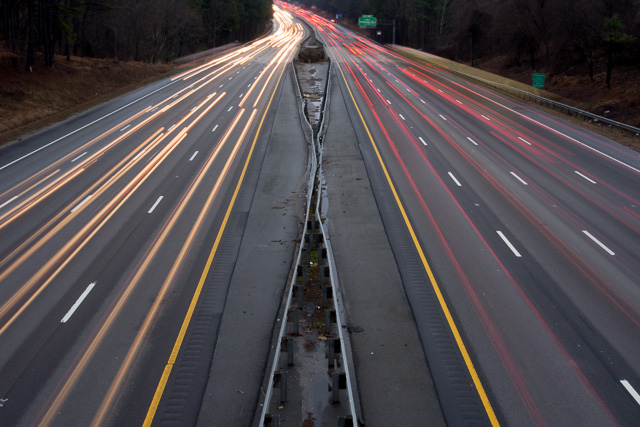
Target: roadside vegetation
{"points": [[588, 49]]}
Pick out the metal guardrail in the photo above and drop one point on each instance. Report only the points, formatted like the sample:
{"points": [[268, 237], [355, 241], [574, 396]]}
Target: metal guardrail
{"points": [[564, 108]]}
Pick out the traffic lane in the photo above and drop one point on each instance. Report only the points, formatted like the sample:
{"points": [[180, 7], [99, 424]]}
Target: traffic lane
{"points": [[110, 354], [454, 240], [575, 180], [465, 168], [222, 116]]}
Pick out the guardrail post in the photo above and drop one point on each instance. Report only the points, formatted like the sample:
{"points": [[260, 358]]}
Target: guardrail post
{"points": [[293, 316], [346, 421], [280, 381], [327, 292], [329, 319], [286, 344], [271, 420]]}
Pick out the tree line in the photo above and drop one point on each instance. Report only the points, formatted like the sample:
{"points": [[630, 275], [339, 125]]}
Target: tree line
{"points": [[548, 34], [140, 30]]}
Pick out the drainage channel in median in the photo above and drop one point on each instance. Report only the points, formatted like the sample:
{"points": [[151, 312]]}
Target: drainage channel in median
{"points": [[311, 381]]}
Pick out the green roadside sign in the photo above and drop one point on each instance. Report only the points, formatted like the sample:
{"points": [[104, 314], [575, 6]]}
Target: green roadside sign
{"points": [[367, 21], [538, 80]]}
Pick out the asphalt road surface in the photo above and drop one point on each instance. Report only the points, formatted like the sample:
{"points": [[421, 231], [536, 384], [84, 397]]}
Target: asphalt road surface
{"points": [[526, 231], [110, 224]]}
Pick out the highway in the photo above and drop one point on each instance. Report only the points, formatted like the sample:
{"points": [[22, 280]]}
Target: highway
{"points": [[110, 223], [523, 233]]}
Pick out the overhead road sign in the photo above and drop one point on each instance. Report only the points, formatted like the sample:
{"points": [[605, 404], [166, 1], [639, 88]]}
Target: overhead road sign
{"points": [[367, 21]]}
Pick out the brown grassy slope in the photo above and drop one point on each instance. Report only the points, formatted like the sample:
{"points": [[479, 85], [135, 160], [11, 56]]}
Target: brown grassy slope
{"points": [[620, 103], [32, 100]]}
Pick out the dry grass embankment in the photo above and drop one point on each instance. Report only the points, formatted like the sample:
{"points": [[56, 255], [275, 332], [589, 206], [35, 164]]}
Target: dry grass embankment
{"points": [[29, 101]]}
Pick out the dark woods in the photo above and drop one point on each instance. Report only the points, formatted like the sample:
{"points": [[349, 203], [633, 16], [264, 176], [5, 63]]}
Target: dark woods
{"points": [[549, 34], [141, 30]]}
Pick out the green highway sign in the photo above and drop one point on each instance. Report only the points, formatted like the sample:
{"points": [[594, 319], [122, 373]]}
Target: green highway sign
{"points": [[367, 21], [538, 80]]}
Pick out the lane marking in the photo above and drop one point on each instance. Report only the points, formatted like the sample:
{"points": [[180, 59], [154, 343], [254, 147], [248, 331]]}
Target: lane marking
{"points": [[221, 85], [472, 141], [8, 201], [75, 306], [434, 284], [458, 101], [422, 140], [85, 126], [172, 126], [214, 128], [402, 117], [125, 128], [439, 90], [632, 391], [155, 402], [508, 243], [154, 110], [455, 180], [157, 202], [81, 203], [524, 140], [442, 117], [598, 242], [194, 156], [519, 179], [485, 117], [586, 177], [241, 95], [79, 157], [388, 102], [230, 108], [422, 100]]}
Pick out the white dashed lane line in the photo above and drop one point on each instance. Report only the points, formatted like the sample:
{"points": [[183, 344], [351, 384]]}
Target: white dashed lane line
{"points": [[75, 306], [472, 141], [598, 242], [422, 140], [155, 204], [518, 178], [632, 391], [508, 243], [585, 177], [80, 156], [455, 180], [194, 156], [524, 140], [86, 199]]}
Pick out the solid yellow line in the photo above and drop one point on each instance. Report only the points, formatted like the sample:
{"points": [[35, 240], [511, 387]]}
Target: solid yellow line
{"points": [[185, 324], [467, 359]]}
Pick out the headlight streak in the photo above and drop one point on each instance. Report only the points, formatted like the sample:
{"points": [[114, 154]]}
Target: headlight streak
{"points": [[96, 190], [285, 44]]}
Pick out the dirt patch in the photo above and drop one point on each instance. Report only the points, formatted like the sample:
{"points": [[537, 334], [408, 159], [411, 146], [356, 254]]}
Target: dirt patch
{"points": [[31, 100]]}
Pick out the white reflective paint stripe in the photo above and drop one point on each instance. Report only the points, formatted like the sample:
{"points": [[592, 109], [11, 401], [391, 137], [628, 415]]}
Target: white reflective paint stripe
{"points": [[194, 156], [172, 126], [455, 180], [402, 117], [508, 243], [214, 128], [389, 102], [585, 177], [241, 95], [440, 90], [458, 101], [125, 128], [632, 391], [443, 117], [422, 140], [138, 155], [75, 306], [86, 126], [598, 242], [524, 140], [8, 201], [519, 179], [155, 204], [485, 117], [81, 203], [230, 108], [422, 100], [79, 157], [472, 141]]}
